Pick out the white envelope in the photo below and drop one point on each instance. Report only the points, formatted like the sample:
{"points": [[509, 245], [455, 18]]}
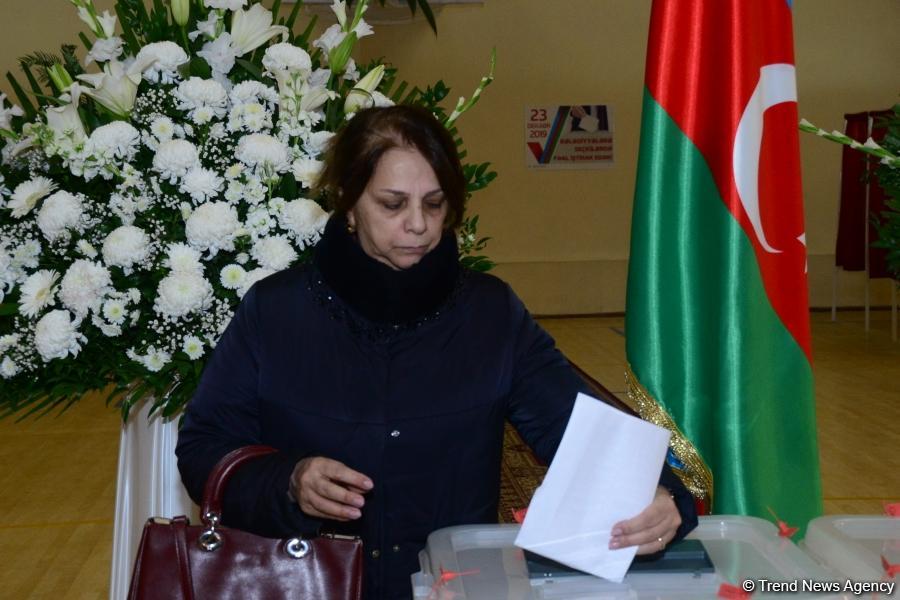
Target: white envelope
{"points": [[606, 470]]}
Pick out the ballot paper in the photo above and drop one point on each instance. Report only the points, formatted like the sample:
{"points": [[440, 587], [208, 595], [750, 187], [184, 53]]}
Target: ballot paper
{"points": [[606, 470], [589, 123]]}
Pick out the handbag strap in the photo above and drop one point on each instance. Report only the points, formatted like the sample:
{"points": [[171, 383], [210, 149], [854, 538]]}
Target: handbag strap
{"points": [[184, 562], [221, 473]]}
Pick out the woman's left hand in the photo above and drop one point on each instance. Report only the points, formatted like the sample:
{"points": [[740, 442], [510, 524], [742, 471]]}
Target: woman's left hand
{"points": [[651, 530]]}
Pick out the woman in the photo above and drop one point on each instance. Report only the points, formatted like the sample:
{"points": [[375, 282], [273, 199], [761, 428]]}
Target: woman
{"points": [[383, 371]]}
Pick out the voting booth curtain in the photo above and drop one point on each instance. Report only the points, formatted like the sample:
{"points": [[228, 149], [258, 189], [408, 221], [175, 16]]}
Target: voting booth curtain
{"points": [[861, 197]]}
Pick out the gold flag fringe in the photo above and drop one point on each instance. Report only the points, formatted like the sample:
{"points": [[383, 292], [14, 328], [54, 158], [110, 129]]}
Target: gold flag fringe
{"points": [[695, 475]]}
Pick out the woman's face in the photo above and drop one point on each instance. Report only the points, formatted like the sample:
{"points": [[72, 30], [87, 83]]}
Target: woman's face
{"points": [[399, 218]]}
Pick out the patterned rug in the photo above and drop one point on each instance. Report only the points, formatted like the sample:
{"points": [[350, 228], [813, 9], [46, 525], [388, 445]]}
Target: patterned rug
{"points": [[520, 474]]}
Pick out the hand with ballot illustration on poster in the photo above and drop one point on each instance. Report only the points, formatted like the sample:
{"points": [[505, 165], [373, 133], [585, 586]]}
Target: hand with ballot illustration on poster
{"points": [[589, 118]]}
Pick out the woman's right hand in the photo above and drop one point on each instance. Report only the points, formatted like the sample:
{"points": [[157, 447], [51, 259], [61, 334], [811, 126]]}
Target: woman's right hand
{"points": [[329, 489]]}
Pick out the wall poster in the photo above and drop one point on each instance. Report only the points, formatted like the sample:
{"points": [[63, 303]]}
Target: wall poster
{"points": [[569, 137]]}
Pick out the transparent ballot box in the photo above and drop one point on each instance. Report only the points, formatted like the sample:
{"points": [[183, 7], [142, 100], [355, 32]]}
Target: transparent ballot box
{"points": [[490, 567], [854, 545]]}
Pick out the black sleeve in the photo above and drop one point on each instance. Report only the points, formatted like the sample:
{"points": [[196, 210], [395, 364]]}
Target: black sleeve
{"points": [[223, 416], [543, 393]]}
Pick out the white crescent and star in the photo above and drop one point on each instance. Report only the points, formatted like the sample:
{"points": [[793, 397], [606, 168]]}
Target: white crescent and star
{"points": [[777, 84]]}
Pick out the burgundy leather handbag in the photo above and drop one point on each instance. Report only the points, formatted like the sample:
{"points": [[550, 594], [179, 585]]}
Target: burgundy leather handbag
{"points": [[180, 561]]}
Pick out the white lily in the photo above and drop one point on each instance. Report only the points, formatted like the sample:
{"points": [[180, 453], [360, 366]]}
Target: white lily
{"points": [[181, 11], [361, 95], [64, 121], [115, 88], [85, 15], [252, 28], [340, 11], [108, 23], [312, 97], [6, 114]]}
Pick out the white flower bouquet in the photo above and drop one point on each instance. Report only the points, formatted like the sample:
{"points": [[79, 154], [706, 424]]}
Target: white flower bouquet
{"points": [[138, 203]]}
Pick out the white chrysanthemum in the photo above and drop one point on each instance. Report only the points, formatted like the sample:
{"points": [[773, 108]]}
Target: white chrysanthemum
{"points": [[306, 171], [85, 248], [181, 257], [174, 158], [154, 360], [255, 191], [212, 226], [126, 246], [8, 341], [317, 142], [26, 255], [38, 292], [56, 335], [261, 150], [274, 252], [305, 219], [107, 329], [114, 311], [27, 194], [242, 258], [203, 115], [196, 93], [248, 92], [162, 128], [164, 59], [84, 285], [225, 4], [234, 171], [8, 368], [59, 213], [181, 293], [115, 140], [252, 115], [286, 58], [259, 221], [201, 184], [192, 346], [251, 278], [232, 276]]}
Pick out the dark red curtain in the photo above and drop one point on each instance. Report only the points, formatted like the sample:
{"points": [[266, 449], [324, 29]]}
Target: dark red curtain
{"points": [[857, 174]]}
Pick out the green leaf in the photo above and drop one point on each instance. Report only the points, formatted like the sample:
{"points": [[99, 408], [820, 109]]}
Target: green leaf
{"points": [[49, 100], [8, 309], [85, 41], [395, 97], [293, 16], [429, 16], [250, 68], [127, 32], [24, 102], [303, 39]]}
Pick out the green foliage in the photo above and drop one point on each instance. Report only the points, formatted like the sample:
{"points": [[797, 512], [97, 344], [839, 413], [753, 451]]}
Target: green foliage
{"points": [[888, 223]]}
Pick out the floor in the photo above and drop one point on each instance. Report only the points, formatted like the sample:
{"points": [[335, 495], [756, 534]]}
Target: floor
{"points": [[57, 482]]}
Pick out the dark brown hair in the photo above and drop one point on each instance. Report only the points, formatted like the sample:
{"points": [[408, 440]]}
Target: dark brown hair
{"points": [[353, 155]]}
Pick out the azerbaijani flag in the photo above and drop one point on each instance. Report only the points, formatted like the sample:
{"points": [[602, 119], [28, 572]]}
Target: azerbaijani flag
{"points": [[717, 316]]}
